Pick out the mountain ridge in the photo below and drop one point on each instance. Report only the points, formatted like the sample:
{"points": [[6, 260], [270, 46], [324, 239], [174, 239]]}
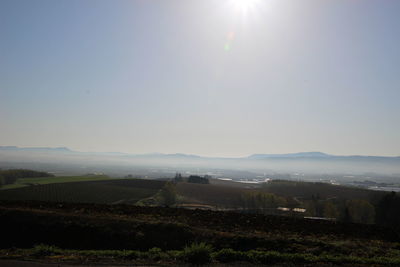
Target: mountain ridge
{"points": [[311, 154]]}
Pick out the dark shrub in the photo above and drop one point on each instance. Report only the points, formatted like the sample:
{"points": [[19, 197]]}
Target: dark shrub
{"points": [[197, 253], [230, 255], [155, 254], [129, 254], [268, 257], [42, 250]]}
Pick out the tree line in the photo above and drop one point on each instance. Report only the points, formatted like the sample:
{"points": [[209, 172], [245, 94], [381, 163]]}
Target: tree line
{"points": [[197, 179]]}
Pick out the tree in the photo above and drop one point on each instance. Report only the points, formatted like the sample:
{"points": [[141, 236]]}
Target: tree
{"points": [[346, 215], [261, 201], [388, 210], [168, 194], [178, 177], [330, 210], [198, 179], [360, 211], [310, 208]]}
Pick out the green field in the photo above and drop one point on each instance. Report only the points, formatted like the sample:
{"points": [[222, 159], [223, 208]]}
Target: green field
{"points": [[107, 191], [23, 182]]}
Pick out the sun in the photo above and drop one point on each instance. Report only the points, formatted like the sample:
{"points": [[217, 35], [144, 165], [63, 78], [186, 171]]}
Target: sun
{"points": [[244, 5]]}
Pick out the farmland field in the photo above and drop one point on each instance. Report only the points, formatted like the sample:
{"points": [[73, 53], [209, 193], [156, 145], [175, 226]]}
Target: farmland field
{"points": [[105, 191], [23, 182], [218, 195]]}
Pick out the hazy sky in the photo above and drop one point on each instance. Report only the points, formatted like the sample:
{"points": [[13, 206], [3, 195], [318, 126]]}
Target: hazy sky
{"points": [[207, 77]]}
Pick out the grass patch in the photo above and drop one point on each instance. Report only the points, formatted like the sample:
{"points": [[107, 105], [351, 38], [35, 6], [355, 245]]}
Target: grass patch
{"points": [[24, 182], [12, 186], [103, 190], [198, 254], [42, 250], [227, 255]]}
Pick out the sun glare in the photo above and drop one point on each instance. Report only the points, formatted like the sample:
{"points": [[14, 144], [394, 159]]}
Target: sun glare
{"points": [[244, 5]]}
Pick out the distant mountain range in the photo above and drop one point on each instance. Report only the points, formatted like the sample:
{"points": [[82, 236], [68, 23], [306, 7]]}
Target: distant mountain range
{"points": [[262, 163], [45, 149], [306, 155], [291, 155]]}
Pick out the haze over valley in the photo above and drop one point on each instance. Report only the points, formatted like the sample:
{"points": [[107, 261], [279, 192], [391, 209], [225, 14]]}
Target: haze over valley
{"points": [[368, 171]]}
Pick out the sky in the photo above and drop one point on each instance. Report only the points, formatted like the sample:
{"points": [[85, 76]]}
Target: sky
{"points": [[208, 77]]}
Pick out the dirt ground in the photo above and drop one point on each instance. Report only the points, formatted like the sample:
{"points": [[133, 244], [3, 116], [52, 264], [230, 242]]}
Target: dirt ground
{"points": [[15, 263]]}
